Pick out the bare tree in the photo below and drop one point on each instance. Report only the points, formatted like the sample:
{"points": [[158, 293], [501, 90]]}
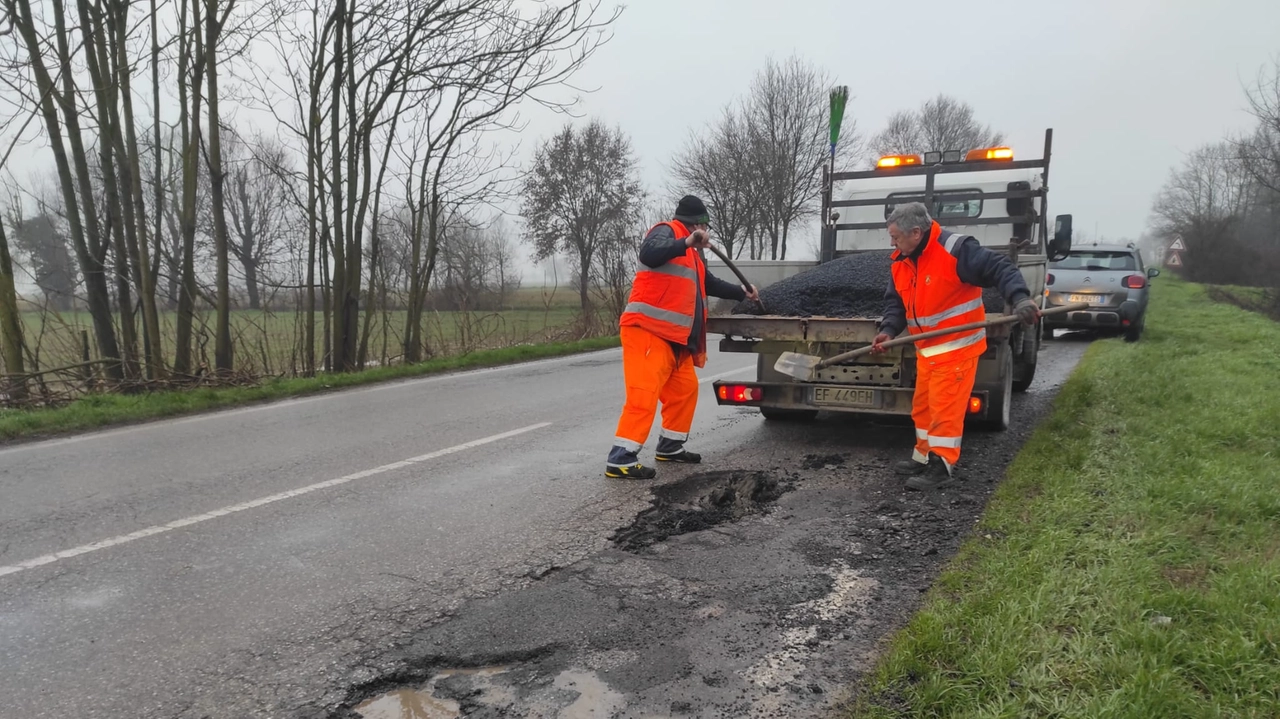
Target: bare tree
{"points": [[48, 257], [1204, 203], [787, 130], [583, 183], [940, 124], [1260, 152], [717, 165], [615, 263], [60, 107], [11, 342], [257, 208]]}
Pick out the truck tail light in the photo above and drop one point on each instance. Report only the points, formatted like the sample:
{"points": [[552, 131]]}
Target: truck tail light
{"points": [[1135, 282], [740, 393], [1048, 279], [975, 404]]}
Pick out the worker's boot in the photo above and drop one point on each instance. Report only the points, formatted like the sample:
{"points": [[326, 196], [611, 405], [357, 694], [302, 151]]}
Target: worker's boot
{"points": [[935, 476], [635, 471], [909, 466], [625, 464], [672, 450]]}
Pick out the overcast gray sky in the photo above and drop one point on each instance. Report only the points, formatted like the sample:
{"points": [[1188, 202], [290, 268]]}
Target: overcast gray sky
{"points": [[1129, 86]]}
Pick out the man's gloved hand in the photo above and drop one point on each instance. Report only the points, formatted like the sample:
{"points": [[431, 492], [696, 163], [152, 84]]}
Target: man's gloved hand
{"points": [[1027, 310], [876, 343], [751, 292], [698, 238]]}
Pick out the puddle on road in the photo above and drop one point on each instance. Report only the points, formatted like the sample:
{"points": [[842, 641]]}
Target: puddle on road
{"points": [[423, 703], [592, 697], [595, 699], [409, 704]]}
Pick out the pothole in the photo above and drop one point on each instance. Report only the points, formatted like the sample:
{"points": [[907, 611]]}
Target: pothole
{"points": [[699, 501], [439, 698], [493, 691]]}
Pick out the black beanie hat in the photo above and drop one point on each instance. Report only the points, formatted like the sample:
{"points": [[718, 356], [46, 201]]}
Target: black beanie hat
{"points": [[691, 211]]}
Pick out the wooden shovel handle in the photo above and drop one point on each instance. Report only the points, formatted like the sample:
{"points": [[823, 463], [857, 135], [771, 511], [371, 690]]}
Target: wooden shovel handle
{"points": [[908, 339]]}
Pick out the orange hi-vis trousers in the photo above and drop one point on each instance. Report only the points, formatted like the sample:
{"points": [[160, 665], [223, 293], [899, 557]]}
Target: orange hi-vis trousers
{"points": [[653, 374], [941, 400]]}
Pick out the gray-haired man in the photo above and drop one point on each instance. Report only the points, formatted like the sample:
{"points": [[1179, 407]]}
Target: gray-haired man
{"points": [[937, 283]]}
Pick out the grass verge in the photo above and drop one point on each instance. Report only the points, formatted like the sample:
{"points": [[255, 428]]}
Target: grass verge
{"points": [[1129, 565], [107, 409]]}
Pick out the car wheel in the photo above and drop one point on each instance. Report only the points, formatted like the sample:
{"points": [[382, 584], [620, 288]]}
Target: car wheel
{"points": [[1135, 330], [774, 414]]}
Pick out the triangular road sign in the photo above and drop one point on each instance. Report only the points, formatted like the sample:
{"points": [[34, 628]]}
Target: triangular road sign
{"points": [[1177, 245], [1174, 260]]}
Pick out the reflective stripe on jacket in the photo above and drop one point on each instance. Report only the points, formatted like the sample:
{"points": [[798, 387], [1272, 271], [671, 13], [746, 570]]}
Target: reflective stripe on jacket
{"points": [[664, 299], [936, 298]]}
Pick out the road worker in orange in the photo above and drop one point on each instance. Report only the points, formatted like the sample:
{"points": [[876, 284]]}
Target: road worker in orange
{"points": [[664, 336], [937, 283]]}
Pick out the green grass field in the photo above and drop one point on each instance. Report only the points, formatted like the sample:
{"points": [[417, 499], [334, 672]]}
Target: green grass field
{"points": [[271, 342], [99, 410], [1129, 565]]}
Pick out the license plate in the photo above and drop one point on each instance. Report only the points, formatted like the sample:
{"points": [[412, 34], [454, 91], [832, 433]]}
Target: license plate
{"points": [[842, 397], [1089, 299]]}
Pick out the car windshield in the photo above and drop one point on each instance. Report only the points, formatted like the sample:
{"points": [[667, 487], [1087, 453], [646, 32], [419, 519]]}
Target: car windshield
{"points": [[1096, 261]]}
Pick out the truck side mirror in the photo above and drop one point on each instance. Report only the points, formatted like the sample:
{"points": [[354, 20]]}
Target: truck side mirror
{"points": [[1060, 245]]}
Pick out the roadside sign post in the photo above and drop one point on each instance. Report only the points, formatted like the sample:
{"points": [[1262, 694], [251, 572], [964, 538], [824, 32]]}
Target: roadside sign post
{"points": [[1175, 259]]}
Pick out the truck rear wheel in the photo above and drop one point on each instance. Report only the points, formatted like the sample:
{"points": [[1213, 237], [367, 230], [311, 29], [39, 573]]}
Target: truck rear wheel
{"points": [[1000, 400], [775, 414], [1024, 369]]}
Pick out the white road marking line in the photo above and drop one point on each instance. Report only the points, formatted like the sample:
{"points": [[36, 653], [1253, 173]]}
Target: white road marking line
{"points": [[722, 375], [327, 396], [196, 519]]}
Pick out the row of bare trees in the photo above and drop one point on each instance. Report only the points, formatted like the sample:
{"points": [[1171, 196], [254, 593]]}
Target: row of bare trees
{"points": [[758, 166], [1224, 200], [369, 143]]}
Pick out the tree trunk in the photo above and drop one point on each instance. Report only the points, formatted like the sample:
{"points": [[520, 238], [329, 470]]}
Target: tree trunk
{"points": [[132, 174], [11, 345], [85, 239], [247, 229], [338, 295], [191, 60], [98, 63], [222, 324], [157, 199]]}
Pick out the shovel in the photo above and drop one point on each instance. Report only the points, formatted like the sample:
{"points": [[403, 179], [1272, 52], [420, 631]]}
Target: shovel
{"points": [[741, 277], [805, 367]]}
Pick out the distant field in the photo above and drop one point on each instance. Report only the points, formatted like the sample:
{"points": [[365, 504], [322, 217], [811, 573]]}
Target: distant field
{"points": [[271, 342]]}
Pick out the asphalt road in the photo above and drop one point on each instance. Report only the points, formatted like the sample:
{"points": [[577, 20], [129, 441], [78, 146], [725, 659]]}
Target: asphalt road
{"points": [[293, 558]]}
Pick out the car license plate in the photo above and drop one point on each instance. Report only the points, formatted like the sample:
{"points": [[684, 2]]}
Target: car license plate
{"points": [[1089, 299], [844, 397]]}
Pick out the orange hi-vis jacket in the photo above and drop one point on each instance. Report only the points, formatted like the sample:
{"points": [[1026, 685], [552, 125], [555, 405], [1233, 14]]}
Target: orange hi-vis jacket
{"points": [[664, 299], [935, 298]]}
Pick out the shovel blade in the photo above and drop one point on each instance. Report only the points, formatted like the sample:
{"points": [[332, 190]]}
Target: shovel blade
{"points": [[793, 364]]}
